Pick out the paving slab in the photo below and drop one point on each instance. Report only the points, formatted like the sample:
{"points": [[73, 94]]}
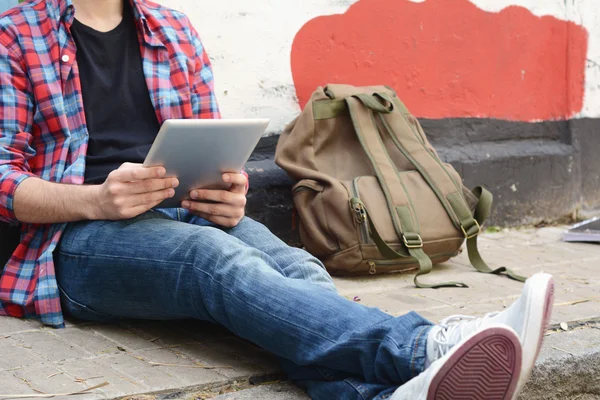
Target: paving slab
{"points": [[14, 385], [89, 340], [193, 359], [45, 344], [93, 373], [49, 379], [15, 354]]}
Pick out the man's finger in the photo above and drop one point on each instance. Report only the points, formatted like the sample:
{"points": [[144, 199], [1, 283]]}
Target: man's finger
{"points": [[218, 196], [214, 209], [238, 182], [142, 208], [150, 198], [220, 221], [152, 185], [129, 165], [138, 174]]}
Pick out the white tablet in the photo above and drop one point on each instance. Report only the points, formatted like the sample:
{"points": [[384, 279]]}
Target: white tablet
{"points": [[199, 151]]}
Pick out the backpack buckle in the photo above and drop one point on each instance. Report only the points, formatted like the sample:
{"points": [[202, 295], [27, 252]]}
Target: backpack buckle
{"points": [[412, 240], [472, 231]]}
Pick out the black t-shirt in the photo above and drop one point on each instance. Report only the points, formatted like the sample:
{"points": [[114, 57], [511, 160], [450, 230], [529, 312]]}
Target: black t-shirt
{"points": [[121, 120]]}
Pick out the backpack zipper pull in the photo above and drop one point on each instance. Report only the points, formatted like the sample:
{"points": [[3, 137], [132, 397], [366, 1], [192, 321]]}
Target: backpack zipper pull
{"points": [[360, 210], [372, 268]]}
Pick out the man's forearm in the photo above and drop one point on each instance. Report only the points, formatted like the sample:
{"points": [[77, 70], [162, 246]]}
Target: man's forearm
{"points": [[40, 202]]}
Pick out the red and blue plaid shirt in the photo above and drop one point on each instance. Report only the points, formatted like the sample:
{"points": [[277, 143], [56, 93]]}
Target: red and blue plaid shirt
{"points": [[42, 123]]}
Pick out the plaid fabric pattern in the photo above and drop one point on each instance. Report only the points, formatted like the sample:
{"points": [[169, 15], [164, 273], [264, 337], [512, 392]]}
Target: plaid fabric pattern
{"points": [[42, 123]]}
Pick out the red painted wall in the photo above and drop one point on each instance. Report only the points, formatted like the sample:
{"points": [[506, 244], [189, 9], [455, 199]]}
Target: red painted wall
{"points": [[448, 58]]}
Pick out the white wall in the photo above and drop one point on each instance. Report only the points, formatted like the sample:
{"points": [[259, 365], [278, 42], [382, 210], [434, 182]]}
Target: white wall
{"points": [[250, 43]]}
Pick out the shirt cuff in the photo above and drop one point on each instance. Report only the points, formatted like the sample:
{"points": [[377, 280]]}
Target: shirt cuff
{"points": [[8, 185]]}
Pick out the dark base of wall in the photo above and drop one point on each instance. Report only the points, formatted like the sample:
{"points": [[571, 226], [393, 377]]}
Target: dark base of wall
{"points": [[538, 172]]}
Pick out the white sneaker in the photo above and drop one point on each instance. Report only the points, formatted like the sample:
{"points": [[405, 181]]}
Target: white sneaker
{"points": [[484, 366], [529, 316]]}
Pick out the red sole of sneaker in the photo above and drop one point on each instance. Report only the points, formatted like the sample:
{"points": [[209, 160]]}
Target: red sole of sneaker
{"points": [[486, 367]]}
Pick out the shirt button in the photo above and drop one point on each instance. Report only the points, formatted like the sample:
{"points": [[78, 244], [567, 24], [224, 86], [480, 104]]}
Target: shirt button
{"points": [[65, 58]]}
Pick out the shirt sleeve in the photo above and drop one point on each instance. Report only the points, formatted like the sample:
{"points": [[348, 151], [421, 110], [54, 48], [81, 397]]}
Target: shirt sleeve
{"points": [[206, 105], [16, 115]]}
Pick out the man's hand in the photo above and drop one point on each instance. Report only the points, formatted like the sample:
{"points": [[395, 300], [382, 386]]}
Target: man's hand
{"points": [[132, 190], [226, 207]]}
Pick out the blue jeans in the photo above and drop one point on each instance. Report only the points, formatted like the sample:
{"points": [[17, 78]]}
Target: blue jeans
{"points": [[168, 264]]}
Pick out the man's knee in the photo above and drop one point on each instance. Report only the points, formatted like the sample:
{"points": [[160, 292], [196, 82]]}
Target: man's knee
{"points": [[314, 271]]}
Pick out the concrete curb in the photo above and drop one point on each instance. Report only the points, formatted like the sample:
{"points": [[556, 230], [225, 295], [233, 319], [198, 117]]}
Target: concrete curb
{"points": [[569, 365]]}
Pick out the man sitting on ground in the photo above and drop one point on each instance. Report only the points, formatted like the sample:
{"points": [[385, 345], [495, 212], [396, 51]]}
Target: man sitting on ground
{"points": [[85, 86]]}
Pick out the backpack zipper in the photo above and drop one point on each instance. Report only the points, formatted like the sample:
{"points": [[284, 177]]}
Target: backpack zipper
{"points": [[361, 213], [372, 267]]}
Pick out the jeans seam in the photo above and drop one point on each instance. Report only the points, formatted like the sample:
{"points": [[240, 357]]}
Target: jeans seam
{"points": [[112, 257], [83, 306], [415, 347], [358, 387], [325, 374]]}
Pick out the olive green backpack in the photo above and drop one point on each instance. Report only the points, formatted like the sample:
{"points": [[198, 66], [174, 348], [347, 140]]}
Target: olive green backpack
{"points": [[372, 194]]}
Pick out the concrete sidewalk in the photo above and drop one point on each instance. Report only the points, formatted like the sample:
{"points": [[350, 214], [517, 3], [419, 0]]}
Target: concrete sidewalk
{"points": [[186, 360]]}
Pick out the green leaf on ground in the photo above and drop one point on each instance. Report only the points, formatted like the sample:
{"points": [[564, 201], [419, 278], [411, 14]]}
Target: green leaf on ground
{"points": [[493, 229]]}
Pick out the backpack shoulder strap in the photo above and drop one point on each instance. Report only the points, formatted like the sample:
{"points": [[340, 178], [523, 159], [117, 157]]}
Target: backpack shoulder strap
{"points": [[482, 211], [437, 176], [362, 108], [413, 147]]}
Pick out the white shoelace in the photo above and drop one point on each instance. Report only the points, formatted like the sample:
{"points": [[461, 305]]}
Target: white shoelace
{"points": [[452, 330]]}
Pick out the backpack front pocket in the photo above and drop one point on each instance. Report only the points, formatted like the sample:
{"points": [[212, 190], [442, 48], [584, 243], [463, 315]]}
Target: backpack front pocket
{"points": [[315, 232]]}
